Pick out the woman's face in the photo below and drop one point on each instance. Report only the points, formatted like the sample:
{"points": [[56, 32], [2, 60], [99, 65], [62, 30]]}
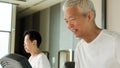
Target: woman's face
{"points": [[27, 44]]}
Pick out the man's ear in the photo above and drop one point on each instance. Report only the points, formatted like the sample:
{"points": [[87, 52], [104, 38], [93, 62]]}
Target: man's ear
{"points": [[90, 16]]}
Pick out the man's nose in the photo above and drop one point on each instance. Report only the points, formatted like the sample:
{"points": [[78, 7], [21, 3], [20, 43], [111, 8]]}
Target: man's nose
{"points": [[70, 25]]}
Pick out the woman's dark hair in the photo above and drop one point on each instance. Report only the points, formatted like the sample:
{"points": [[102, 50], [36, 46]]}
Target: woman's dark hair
{"points": [[34, 35]]}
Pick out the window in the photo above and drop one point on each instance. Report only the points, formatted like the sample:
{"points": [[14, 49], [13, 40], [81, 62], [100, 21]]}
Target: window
{"points": [[5, 28], [4, 43]]}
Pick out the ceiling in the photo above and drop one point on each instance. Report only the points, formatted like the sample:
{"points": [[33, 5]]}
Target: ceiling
{"points": [[26, 7]]}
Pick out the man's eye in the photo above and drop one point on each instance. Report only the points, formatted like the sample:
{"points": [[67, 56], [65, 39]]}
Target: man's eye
{"points": [[72, 19], [66, 21]]}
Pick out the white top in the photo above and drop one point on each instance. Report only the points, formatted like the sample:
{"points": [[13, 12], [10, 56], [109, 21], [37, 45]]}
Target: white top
{"points": [[40, 61], [102, 52]]}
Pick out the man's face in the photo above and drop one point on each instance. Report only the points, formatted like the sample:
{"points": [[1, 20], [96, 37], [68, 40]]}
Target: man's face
{"points": [[76, 21], [27, 44]]}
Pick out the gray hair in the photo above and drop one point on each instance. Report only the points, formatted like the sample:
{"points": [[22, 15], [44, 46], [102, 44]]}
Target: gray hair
{"points": [[84, 5]]}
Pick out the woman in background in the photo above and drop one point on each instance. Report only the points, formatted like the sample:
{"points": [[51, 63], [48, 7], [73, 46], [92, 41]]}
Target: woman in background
{"points": [[32, 41]]}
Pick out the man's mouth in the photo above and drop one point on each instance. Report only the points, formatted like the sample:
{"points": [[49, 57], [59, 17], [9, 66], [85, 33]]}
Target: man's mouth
{"points": [[75, 30]]}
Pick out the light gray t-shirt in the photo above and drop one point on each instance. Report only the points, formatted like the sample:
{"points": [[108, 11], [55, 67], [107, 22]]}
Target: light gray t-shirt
{"points": [[40, 61], [102, 52]]}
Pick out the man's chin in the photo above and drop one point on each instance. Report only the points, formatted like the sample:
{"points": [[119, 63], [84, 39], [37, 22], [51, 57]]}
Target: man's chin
{"points": [[77, 37]]}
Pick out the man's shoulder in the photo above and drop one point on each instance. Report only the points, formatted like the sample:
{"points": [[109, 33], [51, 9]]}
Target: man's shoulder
{"points": [[111, 33]]}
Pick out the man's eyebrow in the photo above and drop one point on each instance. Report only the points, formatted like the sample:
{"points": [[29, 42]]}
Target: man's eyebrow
{"points": [[69, 17]]}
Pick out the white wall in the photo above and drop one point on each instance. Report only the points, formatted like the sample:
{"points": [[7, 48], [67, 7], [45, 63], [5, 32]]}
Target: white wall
{"points": [[44, 29], [113, 15]]}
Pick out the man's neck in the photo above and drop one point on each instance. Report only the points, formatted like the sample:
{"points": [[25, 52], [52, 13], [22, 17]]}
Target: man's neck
{"points": [[92, 34]]}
